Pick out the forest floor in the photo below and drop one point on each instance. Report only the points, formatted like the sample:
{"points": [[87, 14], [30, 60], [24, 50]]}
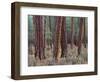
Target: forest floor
{"points": [[72, 57]]}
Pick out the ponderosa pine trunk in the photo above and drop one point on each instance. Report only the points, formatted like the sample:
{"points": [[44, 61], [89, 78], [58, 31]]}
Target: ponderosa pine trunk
{"points": [[60, 39], [72, 32], [39, 37], [84, 38], [64, 37], [81, 34]]}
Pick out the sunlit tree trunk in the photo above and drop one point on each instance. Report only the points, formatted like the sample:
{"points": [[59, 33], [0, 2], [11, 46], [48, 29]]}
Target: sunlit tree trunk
{"points": [[57, 38], [60, 39]]}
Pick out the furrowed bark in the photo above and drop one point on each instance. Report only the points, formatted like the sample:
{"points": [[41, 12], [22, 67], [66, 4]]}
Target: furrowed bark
{"points": [[39, 37], [58, 38], [81, 34], [63, 38]]}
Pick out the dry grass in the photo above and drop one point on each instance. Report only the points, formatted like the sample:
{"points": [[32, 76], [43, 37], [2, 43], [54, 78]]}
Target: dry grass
{"points": [[72, 57]]}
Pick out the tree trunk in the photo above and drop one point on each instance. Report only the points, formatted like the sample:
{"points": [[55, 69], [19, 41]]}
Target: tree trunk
{"points": [[81, 34], [84, 39], [72, 32], [60, 40], [58, 37], [39, 37], [64, 38]]}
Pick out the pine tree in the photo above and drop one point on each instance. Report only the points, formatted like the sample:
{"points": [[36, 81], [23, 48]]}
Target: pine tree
{"points": [[64, 37], [81, 34], [72, 32], [39, 37]]}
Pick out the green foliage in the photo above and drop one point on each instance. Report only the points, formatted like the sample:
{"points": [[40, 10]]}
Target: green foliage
{"points": [[50, 24], [68, 23]]}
